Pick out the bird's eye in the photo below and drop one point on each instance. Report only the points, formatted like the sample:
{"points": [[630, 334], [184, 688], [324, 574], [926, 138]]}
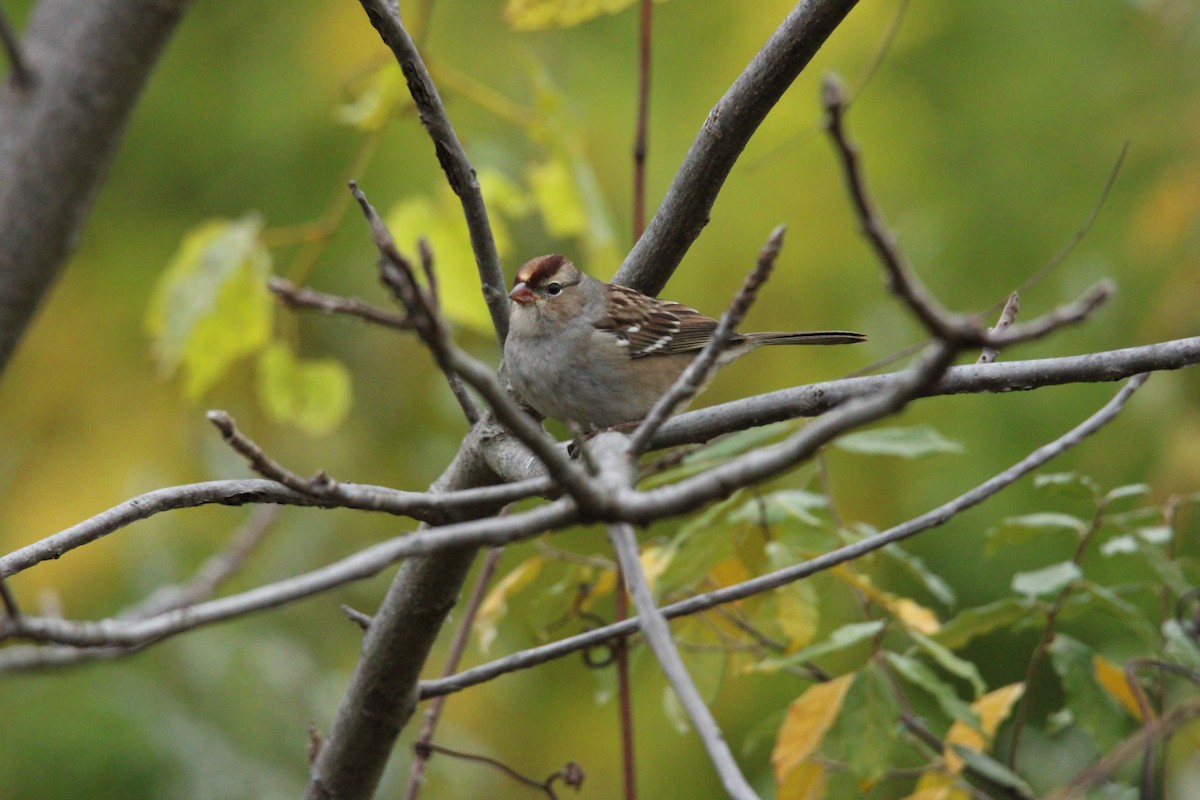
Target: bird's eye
{"points": [[554, 289]]}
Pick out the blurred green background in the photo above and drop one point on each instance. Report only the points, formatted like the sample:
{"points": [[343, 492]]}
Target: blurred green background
{"points": [[988, 131]]}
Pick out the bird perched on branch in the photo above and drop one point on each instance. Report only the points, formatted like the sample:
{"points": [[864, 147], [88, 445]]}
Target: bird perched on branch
{"points": [[597, 354]]}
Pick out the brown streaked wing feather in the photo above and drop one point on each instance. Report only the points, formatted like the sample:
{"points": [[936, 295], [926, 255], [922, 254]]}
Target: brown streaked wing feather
{"points": [[662, 328]]}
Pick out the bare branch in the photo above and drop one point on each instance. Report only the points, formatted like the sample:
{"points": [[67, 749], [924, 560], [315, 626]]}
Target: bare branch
{"points": [[658, 635], [303, 297], [727, 129], [418, 505], [958, 329], [90, 61], [702, 366], [815, 399], [429, 722], [385, 16], [703, 602]]}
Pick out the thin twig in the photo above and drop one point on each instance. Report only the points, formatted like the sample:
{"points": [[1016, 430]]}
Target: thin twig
{"points": [[701, 368], [640, 143], [545, 786], [385, 16], [360, 619], [424, 506], [658, 635], [1007, 317], [422, 747], [302, 297], [21, 74], [318, 486], [702, 602]]}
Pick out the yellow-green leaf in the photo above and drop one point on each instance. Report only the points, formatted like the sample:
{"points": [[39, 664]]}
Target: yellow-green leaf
{"points": [[311, 394], [808, 719], [528, 15], [798, 613], [211, 305], [554, 190], [495, 605], [377, 97]]}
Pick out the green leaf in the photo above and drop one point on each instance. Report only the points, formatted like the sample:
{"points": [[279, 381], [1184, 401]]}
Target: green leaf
{"points": [[1017, 530], [864, 735], [1181, 647], [945, 659], [1071, 484], [721, 451], [919, 674], [841, 639], [1097, 713], [532, 15], [377, 97], [776, 507], [1132, 618], [918, 441], [1046, 580], [1122, 492], [915, 567], [313, 395], [1120, 545], [211, 306], [984, 765], [699, 545], [1156, 534], [973, 622]]}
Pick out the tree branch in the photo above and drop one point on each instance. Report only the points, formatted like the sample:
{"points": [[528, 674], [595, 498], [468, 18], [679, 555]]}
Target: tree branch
{"points": [[58, 137], [385, 16], [730, 124], [658, 635], [692, 605]]}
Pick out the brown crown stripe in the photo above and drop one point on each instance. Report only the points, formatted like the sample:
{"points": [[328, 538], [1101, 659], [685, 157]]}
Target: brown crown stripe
{"points": [[540, 269]]}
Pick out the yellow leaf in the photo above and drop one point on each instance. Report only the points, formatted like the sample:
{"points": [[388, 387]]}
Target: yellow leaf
{"points": [[728, 572], [808, 720], [495, 605], [312, 394], [655, 561], [911, 613], [558, 199], [798, 613], [806, 782], [1113, 680], [528, 15], [992, 708], [936, 786]]}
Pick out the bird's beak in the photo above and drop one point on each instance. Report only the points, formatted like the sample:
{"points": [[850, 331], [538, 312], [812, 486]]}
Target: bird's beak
{"points": [[522, 294]]}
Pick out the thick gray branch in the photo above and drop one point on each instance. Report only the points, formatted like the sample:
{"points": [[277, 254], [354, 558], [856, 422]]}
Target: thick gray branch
{"points": [[88, 62], [733, 120]]}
